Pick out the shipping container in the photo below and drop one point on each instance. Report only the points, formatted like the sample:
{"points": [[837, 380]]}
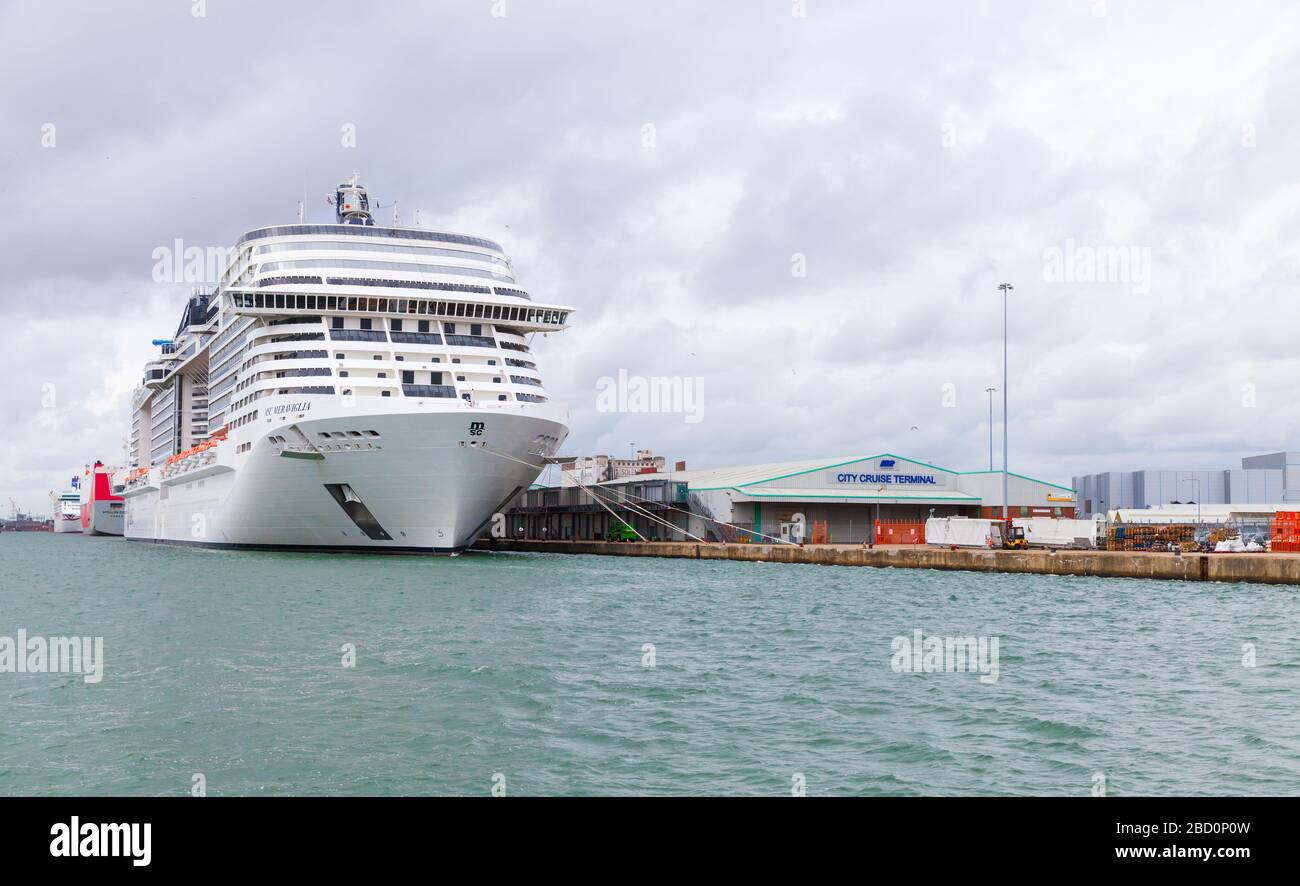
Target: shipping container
{"points": [[1054, 532], [963, 532]]}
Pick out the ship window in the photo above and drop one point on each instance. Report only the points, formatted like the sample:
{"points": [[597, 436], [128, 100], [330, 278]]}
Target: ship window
{"points": [[449, 328], [366, 323], [492, 363], [424, 325], [383, 375], [379, 356], [476, 329], [338, 356], [343, 373], [385, 393], [395, 325], [460, 378], [501, 396], [455, 359], [408, 377]]}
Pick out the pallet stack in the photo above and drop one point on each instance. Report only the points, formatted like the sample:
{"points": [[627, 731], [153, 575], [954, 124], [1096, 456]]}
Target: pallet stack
{"points": [[1224, 533], [1142, 537]]}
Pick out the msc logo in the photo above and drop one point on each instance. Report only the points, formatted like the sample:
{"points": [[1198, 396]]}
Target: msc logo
{"points": [[476, 429], [887, 462]]}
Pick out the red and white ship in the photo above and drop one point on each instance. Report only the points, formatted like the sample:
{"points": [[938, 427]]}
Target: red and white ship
{"points": [[102, 512]]}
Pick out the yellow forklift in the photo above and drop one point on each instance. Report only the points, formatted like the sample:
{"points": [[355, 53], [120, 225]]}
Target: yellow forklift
{"points": [[1013, 537]]}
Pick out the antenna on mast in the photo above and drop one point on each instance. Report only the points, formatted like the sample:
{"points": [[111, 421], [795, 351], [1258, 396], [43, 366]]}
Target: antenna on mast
{"points": [[379, 205]]}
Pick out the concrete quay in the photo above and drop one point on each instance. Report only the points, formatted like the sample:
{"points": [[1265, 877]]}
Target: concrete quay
{"points": [[1260, 567]]}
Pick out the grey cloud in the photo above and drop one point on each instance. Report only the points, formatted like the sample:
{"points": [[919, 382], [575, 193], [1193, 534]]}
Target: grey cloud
{"points": [[775, 135]]}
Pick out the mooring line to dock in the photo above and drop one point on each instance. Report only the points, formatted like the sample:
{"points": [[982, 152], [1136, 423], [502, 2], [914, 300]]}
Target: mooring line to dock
{"points": [[639, 510], [780, 541], [645, 513], [491, 451]]}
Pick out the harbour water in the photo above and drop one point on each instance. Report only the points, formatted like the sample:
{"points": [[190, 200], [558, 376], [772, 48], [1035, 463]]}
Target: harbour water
{"points": [[530, 670]]}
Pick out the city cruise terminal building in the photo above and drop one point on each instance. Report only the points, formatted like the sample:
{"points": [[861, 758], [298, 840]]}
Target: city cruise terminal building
{"points": [[849, 500]]}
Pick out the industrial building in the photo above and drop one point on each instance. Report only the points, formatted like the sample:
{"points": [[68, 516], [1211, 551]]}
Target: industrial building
{"points": [[1272, 479], [840, 500], [580, 470]]}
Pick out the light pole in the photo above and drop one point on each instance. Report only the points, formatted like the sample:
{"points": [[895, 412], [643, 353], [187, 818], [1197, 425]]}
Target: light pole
{"points": [[875, 531], [990, 393], [1006, 507], [1197, 481]]}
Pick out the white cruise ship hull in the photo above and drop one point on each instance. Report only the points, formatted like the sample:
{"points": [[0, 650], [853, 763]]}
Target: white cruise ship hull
{"points": [[422, 482], [68, 523]]}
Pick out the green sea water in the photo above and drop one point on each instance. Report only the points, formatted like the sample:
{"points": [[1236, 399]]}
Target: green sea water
{"points": [[530, 672]]}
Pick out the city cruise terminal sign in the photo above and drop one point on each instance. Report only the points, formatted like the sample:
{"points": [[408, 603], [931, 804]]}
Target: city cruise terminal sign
{"points": [[884, 475]]}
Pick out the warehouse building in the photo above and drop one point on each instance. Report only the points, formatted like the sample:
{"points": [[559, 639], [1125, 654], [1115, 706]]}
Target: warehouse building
{"points": [[1272, 479], [840, 501]]}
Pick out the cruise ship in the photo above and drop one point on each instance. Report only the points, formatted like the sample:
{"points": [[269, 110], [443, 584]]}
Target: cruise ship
{"points": [[67, 508], [344, 387]]}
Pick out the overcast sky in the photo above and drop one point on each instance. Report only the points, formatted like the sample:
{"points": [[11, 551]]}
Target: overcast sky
{"points": [[807, 205]]}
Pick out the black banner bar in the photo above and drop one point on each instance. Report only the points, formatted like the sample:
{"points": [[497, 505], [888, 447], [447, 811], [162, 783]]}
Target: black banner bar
{"points": [[332, 835]]}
